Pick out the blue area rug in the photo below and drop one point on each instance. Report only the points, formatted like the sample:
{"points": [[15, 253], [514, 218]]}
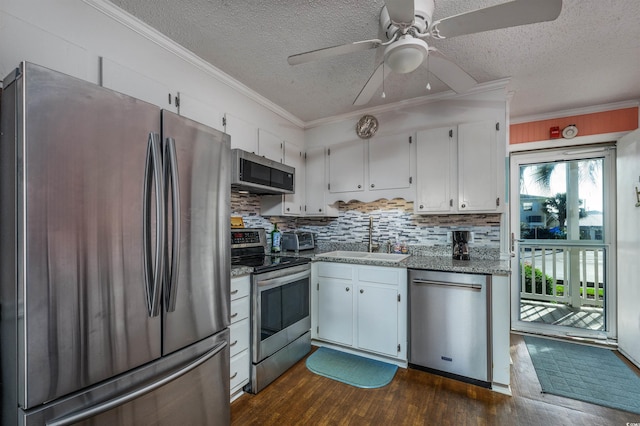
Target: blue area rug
{"points": [[351, 369], [585, 373]]}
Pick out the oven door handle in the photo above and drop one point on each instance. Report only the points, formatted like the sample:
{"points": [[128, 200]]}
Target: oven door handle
{"points": [[285, 279]]}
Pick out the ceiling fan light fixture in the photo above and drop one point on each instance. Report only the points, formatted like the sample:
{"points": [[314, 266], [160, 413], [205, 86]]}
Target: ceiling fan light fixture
{"points": [[406, 54]]}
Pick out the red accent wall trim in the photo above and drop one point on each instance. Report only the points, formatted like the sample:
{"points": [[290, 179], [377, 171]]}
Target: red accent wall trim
{"points": [[619, 120]]}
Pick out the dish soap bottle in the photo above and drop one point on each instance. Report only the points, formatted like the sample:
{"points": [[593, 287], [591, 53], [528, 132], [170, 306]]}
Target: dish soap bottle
{"points": [[275, 239]]}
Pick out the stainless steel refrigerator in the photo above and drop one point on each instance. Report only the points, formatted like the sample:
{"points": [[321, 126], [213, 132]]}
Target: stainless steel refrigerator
{"points": [[114, 260]]}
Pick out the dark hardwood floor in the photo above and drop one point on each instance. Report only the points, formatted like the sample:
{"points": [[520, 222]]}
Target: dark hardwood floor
{"points": [[414, 397]]}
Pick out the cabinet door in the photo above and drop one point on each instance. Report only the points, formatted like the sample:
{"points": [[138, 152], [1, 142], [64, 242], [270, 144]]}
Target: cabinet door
{"points": [[346, 167], [378, 319], [335, 310], [389, 162], [125, 80], [293, 157], [315, 182], [270, 146], [200, 111], [477, 167], [435, 171], [244, 135]]}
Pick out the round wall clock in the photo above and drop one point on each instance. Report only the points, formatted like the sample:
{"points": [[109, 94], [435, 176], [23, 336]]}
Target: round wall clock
{"points": [[366, 126], [570, 131]]}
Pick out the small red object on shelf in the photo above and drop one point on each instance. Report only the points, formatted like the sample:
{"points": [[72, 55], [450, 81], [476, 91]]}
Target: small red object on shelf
{"points": [[554, 132]]}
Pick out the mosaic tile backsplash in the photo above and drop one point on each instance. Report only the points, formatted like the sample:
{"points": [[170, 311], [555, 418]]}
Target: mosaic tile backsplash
{"points": [[392, 220]]}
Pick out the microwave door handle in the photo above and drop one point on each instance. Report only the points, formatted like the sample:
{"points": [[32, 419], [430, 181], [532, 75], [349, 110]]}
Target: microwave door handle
{"points": [[153, 272], [171, 174]]}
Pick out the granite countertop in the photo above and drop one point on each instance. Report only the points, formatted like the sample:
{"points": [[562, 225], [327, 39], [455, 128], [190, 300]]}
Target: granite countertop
{"points": [[419, 261]]}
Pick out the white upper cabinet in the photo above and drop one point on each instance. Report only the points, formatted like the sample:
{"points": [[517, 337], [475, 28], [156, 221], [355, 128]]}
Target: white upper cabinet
{"points": [[346, 167], [316, 184], [435, 177], [478, 167], [460, 169], [125, 80], [200, 111], [270, 146], [294, 157], [244, 135], [389, 162]]}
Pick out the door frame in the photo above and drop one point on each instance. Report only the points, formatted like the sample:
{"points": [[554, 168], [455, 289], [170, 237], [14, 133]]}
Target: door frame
{"points": [[518, 158]]}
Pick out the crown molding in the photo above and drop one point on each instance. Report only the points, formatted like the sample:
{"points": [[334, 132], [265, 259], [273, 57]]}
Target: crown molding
{"points": [[413, 102], [141, 28], [575, 111]]}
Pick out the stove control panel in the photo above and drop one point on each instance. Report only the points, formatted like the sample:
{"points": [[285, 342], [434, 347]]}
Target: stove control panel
{"points": [[247, 238]]}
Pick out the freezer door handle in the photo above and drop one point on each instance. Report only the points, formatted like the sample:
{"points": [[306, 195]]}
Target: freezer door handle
{"points": [[173, 189], [123, 399], [153, 177]]}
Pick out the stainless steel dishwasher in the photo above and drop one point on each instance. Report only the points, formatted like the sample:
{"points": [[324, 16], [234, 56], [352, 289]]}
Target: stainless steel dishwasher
{"points": [[449, 325]]}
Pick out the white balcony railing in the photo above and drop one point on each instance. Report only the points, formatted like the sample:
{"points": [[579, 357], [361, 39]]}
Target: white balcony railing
{"points": [[573, 274]]}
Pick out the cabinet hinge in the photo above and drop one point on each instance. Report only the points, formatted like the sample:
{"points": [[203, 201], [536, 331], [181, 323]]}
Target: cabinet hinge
{"points": [[305, 208], [398, 347], [318, 330], [177, 101], [398, 298], [318, 286], [451, 202], [497, 126], [450, 133], [169, 98], [410, 139], [305, 156], [280, 145], [328, 151], [224, 121], [498, 202], [410, 179], [329, 186]]}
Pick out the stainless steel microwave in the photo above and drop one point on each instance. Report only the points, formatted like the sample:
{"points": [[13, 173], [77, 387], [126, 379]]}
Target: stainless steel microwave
{"points": [[259, 175]]}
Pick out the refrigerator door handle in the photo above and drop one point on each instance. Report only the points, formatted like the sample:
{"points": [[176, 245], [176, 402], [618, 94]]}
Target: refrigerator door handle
{"points": [[153, 272], [171, 175], [130, 396]]}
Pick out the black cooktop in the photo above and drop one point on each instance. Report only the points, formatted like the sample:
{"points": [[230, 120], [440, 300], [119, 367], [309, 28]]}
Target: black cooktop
{"points": [[248, 248], [266, 263]]}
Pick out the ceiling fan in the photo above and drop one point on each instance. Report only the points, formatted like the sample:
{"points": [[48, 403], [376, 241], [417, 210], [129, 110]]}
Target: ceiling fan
{"points": [[407, 23]]}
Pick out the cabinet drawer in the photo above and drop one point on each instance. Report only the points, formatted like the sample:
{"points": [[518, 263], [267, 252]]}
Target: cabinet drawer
{"points": [[335, 270], [378, 275], [239, 309], [239, 336], [240, 287], [239, 370]]}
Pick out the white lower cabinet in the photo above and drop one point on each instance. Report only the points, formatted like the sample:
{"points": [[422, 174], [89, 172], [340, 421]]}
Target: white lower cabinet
{"points": [[239, 335], [362, 307]]}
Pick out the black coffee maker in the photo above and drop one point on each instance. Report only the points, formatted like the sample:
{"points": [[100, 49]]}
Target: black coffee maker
{"points": [[460, 240]]}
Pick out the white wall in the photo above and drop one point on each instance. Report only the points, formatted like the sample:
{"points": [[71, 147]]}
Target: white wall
{"points": [[71, 35], [628, 225]]}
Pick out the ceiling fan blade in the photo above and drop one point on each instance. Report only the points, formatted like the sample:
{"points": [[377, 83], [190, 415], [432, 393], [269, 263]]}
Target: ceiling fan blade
{"points": [[372, 85], [329, 52], [448, 72], [401, 11], [510, 14]]}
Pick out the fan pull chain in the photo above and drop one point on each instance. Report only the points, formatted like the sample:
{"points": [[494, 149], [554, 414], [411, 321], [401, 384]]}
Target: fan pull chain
{"points": [[428, 84], [383, 94]]}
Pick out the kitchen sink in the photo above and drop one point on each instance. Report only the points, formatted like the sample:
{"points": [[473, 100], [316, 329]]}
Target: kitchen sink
{"points": [[385, 257]]}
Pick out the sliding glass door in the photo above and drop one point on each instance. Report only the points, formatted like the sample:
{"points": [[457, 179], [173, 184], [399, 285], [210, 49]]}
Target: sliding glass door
{"points": [[563, 240]]}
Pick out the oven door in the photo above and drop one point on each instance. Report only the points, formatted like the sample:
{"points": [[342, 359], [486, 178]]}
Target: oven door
{"points": [[280, 309]]}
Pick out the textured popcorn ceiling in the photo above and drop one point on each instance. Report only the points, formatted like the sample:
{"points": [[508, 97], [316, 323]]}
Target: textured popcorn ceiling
{"points": [[590, 55]]}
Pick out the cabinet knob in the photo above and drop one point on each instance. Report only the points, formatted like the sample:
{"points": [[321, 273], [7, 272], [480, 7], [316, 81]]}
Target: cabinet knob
{"points": [[372, 185], [359, 186], [320, 210], [421, 206], [463, 206], [347, 288], [361, 290], [288, 208]]}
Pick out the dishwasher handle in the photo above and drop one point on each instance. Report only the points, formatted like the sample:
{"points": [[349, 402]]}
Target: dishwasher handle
{"points": [[475, 287]]}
